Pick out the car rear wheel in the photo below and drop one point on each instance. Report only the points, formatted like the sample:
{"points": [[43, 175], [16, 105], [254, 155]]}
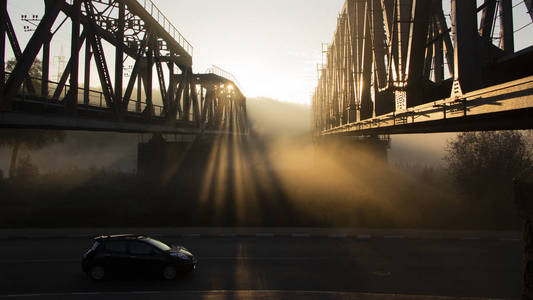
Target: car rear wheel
{"points": [[97, 273], [170, 272]]}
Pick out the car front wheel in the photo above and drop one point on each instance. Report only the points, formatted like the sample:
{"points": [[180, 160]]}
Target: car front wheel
{"points": [[170, 272], [97, 273]]}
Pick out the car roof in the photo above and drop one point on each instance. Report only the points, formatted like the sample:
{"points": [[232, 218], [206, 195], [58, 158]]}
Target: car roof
{"points": [[119, 237]]}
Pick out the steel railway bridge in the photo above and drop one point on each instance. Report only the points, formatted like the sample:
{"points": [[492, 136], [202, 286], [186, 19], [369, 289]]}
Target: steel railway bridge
{"points": [[181, 102], [400, 66]]}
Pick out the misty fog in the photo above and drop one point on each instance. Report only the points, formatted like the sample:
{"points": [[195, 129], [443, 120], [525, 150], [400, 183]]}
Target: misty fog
{"points": [[279, 176], [269, 119]]}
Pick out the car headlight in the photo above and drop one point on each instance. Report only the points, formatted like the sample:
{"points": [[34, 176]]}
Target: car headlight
{"points": [[181, 256]]}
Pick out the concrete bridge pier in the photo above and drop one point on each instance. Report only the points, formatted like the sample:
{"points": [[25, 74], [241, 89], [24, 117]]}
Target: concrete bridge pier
{"points": [[376, 147], [160, 160]]}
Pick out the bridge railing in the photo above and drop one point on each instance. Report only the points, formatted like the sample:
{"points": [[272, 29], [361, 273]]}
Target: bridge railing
{"points": [[222, 73], [156, 13], [96, 98]]}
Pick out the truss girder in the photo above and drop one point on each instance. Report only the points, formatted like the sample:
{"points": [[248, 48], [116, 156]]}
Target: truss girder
{"points": [[126, 30], [391, 56]]}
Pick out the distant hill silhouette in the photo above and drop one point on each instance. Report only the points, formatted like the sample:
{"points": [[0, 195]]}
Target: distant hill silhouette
{"points": [[272, 119]]}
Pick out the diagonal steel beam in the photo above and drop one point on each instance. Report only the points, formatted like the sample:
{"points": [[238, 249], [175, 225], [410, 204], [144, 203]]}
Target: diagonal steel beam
{"points": [[99, 57], [15, 46], [3, 14], [66, 73], [134, 74], [445, 33], [529, 5], [42, 33], [487, 19]]}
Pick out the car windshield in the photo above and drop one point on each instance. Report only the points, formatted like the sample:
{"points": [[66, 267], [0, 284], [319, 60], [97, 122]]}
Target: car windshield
{"points": [[159, 245]]}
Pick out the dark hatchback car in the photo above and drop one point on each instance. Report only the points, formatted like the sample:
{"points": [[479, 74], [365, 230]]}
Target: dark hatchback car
{"points": [[136, 255]]}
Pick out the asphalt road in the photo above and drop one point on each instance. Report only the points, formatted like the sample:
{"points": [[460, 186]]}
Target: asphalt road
{"points": [[278, 267]]}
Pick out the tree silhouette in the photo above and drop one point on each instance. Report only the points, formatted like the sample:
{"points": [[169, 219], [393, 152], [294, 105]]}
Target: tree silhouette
{"points": [[483, 166], [34, 139], [34, 72], [30, 139]]}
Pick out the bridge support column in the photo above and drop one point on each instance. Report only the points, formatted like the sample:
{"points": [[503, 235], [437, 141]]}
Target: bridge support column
{"points": [[162, 161], [376, 147], [524, 204]]}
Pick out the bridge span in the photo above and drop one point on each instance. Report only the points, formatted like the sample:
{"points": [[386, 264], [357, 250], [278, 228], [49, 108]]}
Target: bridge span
{"points": [[126, 100], [403, 66]]}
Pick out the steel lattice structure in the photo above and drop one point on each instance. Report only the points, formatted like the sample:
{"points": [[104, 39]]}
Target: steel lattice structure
{"points": [[132, 29], [397, 66]]}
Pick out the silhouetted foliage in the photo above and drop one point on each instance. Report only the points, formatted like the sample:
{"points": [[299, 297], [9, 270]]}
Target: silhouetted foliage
{"points": [[35, 70], [30, 139], [483, 166], [479, 158], [26, 169]]}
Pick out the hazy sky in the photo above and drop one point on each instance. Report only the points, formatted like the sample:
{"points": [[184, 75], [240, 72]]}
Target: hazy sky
{"points": [[272, 47]]}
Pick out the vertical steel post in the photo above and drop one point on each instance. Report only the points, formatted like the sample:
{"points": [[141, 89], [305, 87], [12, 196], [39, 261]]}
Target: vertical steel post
{"points": [[119, 57], [72, 100], [45, 66], [506, 26], [405, 20], [139, 93], [416, 51], [466, 39], [148, 81], [170, 105], [378, 32], [439, 58], [367, 106], [45, 78], [87, 71]]}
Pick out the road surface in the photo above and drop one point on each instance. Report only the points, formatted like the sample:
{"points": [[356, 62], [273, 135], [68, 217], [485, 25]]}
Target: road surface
{"points": [[271, 267]]}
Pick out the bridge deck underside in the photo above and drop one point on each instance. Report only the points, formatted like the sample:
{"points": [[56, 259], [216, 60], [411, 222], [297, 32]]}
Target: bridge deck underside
{"points": [[38, 114], [507, 106], [34, 113]]}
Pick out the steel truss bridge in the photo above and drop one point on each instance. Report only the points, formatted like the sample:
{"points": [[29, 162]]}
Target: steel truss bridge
{"points": [[181, 102], [400, 66]]}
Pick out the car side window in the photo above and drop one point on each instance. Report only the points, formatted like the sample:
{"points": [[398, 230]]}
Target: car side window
{"points": [[139, 248], [116, 246]]}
